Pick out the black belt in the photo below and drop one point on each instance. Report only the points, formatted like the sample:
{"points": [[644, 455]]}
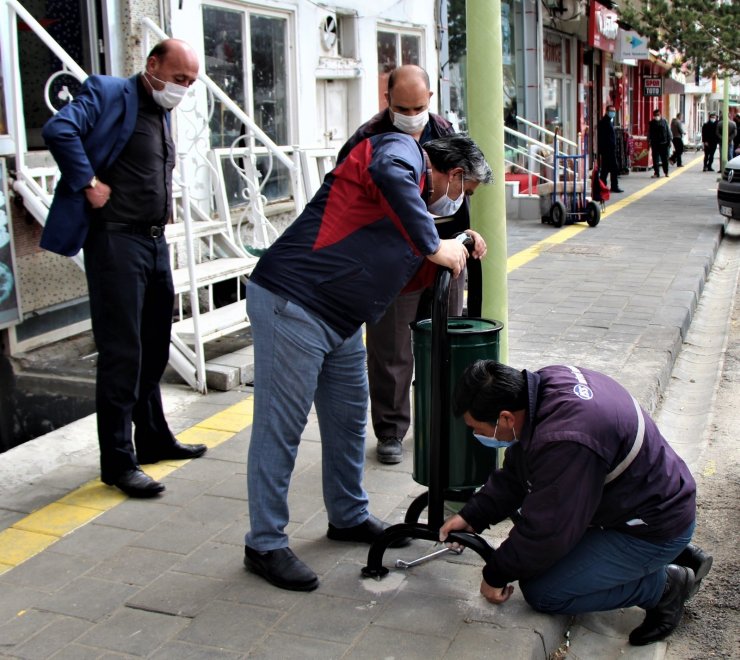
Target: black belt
{"points": [[151, 231]]}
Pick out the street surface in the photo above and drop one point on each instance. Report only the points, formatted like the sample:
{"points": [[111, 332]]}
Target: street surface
{"points": [[87, 573]]}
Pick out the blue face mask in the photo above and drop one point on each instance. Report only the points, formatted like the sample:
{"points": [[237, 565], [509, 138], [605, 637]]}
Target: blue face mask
{"points": [[612, 114], [492, 442]]}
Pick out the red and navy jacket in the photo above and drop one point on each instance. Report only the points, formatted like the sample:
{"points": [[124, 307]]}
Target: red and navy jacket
{"points": [[359, 240], [580, 425]]}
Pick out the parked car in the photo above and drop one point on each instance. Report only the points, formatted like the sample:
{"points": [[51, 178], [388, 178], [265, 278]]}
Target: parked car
{"points": [[728, 189]]}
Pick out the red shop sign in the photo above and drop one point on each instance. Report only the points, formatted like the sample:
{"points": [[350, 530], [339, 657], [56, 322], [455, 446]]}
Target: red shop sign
{"points": [[652, 86], [602, 28]]}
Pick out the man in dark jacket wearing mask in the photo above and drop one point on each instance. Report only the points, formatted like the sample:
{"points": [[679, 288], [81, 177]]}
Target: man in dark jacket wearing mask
{"points": [[659, 137], [607, 143], [603, 508], [709, 141], [390, 362]]}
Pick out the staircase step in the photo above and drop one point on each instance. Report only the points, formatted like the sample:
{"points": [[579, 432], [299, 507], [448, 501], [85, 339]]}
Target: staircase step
{"points": [[214, 324], [217, 270], [201, 229], [228, 371]]}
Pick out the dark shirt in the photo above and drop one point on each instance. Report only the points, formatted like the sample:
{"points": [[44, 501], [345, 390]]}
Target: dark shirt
{"points": [[709, 133], [141, 177], [607, 137], [658, 132]]}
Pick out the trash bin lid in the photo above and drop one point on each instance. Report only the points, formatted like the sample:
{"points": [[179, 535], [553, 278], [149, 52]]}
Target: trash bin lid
{"points": [[461, 325]]}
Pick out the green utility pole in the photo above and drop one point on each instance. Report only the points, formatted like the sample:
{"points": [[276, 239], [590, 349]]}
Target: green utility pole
{"points": [[485, 103], [725, 148]]}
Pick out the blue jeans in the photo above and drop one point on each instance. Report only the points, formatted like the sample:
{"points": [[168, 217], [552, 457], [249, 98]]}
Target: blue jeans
{"points": [[605, 571], [300, 360]]}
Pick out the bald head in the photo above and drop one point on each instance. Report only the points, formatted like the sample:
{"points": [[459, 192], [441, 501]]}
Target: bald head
{"points": [[172, 60], [408, 98]]}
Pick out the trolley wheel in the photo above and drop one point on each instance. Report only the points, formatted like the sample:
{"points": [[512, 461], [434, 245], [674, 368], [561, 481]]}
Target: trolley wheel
{"points": [[593, 214], [558, 213]]}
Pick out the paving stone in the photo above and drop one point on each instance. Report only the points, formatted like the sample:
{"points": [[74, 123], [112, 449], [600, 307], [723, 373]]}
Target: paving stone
{"points": [[50, 639], [135, 566], [137, 515], [47, 571], [136, 632], [178, 594], [87, 598], [17, 599], [431, 616], [185, 651], [93, 541], [293, 647], [328, 618], [24, 625], [213, 560], [77, 652], [234, 487], [230, 625], [407, 644], [475, 640]]}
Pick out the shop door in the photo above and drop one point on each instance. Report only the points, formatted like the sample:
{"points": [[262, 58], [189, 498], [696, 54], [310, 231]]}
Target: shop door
{"points": [[75, 25], [332, 105]]}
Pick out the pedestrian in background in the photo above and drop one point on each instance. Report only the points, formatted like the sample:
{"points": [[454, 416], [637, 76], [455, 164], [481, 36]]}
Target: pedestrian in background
{"points": [[709, 141], [731, 134], [736, 141], [116, 155], [390, 360], [365, 233], [677, 133], [659, 138], [603, 507], [607, 146]]}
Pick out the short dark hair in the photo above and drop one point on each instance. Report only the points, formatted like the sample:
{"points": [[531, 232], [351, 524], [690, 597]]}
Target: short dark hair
{"points": [[160, 50], [458, 150], [656, 112], [487, 387]]}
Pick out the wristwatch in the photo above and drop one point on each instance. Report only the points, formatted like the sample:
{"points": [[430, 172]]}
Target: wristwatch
{"points": [[93, 182]]}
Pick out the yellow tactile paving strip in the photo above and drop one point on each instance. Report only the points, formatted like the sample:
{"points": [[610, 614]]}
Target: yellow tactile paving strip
{"points": [[44, 527], [40, 529]]}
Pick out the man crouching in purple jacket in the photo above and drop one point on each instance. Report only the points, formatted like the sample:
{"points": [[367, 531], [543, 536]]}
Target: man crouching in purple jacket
{"points": [[603, 508]]}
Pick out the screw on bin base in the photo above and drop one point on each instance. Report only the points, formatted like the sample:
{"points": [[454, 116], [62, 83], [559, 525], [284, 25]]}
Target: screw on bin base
{"points": [[393, 533]]}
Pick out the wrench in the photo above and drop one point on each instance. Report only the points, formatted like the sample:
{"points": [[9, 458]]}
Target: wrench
{"points": [[400, 563]]}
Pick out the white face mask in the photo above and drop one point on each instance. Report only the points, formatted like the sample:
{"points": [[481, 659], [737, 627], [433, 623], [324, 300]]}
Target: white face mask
{"points": [[445, 206], [168, 97], [411, 124]]}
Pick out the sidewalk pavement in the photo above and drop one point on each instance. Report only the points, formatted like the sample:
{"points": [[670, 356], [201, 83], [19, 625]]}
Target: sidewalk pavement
{"points": [[87, 573]]}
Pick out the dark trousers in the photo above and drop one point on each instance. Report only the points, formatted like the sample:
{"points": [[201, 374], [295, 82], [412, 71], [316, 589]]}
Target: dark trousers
{"points": [[677, 151], [131, 300], [390, 360], [709, 149], [609, 166], [660, 155]]}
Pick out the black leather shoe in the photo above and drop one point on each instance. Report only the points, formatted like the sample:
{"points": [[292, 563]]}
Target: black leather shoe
{"points": [[282, 568], [616, 190], [662, 620], [177, 451], [365, 532], [136, 483], [698, 561]]}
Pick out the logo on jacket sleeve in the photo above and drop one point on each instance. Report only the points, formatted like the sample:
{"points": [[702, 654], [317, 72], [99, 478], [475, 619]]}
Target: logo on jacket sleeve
{"points": [[583, 392]]}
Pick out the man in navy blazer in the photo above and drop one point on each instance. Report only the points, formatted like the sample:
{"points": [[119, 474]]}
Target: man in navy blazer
{"points": [[115, 153]]}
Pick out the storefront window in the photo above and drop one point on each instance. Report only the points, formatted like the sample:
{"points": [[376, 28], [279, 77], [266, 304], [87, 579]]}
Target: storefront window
{"points": [[558, 85], [246, 55], [395, 49]]}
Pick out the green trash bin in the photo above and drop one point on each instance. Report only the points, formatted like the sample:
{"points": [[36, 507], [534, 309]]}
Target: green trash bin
{"points": [[470, 339]]}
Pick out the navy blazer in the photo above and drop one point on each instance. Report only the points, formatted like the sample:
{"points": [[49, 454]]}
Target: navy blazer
{"points": [[86, 136]]}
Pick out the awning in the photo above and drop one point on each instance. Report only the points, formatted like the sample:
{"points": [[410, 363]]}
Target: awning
{"points": [[671, 86]]}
